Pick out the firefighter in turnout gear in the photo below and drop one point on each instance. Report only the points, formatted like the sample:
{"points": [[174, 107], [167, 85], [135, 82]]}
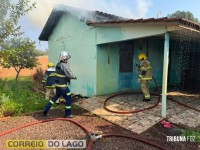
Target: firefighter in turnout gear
{"points": [[63, 77], [145, 76], [49, 80]]}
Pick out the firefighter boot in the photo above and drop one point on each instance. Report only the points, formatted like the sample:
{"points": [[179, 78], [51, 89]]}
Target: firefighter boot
{"points": [[45, 113], [146, 100], [68, 113]]}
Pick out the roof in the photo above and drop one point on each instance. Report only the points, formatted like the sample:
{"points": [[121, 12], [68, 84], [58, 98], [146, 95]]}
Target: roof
{"points": [[97, 18], [50, 25], [155, 21], [83, 15]]}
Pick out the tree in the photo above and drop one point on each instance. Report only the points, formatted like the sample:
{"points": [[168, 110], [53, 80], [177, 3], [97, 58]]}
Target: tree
{"points": [[20, 54], [42, 52], [183, 14], [10, 14]]}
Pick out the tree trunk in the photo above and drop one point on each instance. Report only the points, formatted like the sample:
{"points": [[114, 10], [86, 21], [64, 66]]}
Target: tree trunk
{"points": [[17, 69], [17, 75]]}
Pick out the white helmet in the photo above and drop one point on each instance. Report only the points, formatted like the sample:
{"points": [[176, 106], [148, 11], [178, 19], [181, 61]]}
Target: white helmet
{"points": [[64, 56]]}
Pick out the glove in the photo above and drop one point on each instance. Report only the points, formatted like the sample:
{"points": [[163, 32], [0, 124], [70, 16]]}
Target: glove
{"points": [[75, 78]]}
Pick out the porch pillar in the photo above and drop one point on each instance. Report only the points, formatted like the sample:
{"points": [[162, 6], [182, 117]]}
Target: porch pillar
{"points": [[165, 74]]}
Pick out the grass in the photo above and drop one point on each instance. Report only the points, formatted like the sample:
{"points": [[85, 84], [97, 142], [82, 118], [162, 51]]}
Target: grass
{"points": [[190, 132], [76, 107], [18, 97]]}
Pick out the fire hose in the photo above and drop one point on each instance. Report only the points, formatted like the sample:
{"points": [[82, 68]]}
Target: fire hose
{"points": [[132, 111], [143, 109], [42, 121], [93, 136], [91, 143]]}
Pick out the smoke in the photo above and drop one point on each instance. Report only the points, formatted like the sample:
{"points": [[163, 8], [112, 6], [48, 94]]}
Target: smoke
{"points": [[79, 13], [142, 7], [40, 14], [128, 9]]}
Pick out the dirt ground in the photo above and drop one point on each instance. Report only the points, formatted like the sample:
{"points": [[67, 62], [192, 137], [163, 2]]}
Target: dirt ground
{"points": [[63, 130], [11, 73]]}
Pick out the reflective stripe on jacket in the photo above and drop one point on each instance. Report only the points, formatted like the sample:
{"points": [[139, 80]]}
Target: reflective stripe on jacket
{"points": [[145, 70], [63, 75], [50, 77]]}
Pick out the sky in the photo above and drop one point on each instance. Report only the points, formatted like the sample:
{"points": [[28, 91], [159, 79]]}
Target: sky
{"points": [[33, 23]]}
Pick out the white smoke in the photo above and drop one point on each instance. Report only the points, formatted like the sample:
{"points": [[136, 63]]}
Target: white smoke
{"points": [[40, 14], [142, 8], [128, 9]]}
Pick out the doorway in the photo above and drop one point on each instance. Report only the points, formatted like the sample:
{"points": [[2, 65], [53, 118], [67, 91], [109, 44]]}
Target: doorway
{"points": [[125, 65]]}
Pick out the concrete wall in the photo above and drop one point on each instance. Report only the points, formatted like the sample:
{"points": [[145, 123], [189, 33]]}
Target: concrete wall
{"points": [[79, 40], [175, 66], [107, 68], [110, 80], [116, 34], [155, 54]]}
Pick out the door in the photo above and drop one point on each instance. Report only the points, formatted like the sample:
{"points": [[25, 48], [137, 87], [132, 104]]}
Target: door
{"points": [[125, 65]]}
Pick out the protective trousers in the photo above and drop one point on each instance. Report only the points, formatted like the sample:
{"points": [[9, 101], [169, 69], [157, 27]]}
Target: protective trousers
{"points": [[145, 88], [65, 92]]}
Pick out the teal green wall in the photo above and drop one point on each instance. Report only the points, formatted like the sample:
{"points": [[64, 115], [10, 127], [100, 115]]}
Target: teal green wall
{"points": [[107, 68], [78, 39], [174, 65], [116, 34], [108, 76], [155, 54]]}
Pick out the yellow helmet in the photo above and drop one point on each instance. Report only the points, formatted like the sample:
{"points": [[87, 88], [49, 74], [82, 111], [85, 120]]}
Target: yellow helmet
{"points": [[51, 64], [142, 56]]}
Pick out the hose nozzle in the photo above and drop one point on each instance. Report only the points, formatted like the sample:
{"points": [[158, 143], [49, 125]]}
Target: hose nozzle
{"points": [[95, 136]]}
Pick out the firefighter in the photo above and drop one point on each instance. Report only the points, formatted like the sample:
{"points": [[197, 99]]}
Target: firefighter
{"points": [[49, 80], [63, 77], [145, 76]]}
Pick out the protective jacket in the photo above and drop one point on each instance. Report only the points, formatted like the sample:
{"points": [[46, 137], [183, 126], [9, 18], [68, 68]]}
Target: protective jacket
{"points": [[49, 78], [145, 69], [63, 75]]}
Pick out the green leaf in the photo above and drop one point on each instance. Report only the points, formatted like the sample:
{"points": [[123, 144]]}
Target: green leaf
{"points": [[11, 12]]}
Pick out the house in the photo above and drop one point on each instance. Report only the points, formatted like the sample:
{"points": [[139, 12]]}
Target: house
{"points": [[104, 49]]}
